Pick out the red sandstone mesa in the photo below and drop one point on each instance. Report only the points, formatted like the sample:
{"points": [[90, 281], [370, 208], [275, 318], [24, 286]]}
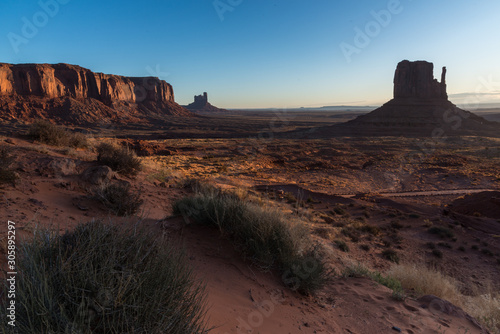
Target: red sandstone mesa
{"points": [[58, 91], [420, 107]]}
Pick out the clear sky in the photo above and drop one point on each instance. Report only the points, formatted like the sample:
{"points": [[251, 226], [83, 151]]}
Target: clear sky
{"points": [[265, 53]]}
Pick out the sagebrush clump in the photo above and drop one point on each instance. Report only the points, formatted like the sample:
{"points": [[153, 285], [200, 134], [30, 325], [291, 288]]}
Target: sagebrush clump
{"points": [[271, 239], [120, 159], [101, 278], [55, 135], [118, 198]]}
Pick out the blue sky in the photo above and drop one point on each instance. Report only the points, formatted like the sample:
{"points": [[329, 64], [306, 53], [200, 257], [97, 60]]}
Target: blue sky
{"points": [[265, 53]]}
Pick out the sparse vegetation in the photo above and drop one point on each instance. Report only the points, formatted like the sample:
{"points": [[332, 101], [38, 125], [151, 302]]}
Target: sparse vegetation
{"points": [[51, 134], [103, 279], [118, 198], [442, 232], [444, 244], [424, 281], [342, 245], [437, 253], [271, 239], [120, 159], [396, 225], [340, 211], [389, 281], [487, 252], [365, 247], [391, 255], [7, 174]]}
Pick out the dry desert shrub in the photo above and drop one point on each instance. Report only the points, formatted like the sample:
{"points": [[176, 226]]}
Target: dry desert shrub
{"points": [[55, 135], [271, 238], [120, 159], [7, 174], [425, 281], [103, 279], [118, 198], [485, 308]]}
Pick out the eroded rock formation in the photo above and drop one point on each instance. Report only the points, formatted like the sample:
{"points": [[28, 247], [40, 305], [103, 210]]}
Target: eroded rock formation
{"points": [[58, 90], [201, 104], [420, 107], [416, 80]]}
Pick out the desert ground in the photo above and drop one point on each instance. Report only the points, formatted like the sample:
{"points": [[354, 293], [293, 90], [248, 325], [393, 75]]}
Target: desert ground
{"points": [[378, 203]]}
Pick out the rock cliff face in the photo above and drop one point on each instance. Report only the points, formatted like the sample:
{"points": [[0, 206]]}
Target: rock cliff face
{"points": [[38, 89]]}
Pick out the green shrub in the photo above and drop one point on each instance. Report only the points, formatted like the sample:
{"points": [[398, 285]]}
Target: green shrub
{"points": [[55, 135], [118, 198], [7, 174], [120, 159], [264, 234], [103, 279]]}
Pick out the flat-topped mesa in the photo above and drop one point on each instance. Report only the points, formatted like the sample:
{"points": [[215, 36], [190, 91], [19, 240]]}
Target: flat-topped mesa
{"points": [[71, 94], [63, 80], [416, 80]]}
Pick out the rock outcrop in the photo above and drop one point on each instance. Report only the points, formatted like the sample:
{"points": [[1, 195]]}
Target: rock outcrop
{"points": [[420, 107], [201, 104], [416, 80], [58, 91]]}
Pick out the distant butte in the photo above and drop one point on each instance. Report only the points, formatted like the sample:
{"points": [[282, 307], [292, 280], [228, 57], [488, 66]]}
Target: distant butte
{"points": [[420, 107], [71, 94], [201, 104]]}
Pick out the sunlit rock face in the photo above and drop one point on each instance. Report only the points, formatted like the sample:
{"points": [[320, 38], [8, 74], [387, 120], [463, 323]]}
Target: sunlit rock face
{"points": [[35, 88]]}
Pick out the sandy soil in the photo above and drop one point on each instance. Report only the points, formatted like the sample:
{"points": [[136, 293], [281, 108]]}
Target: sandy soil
{"points": [[302, 178]]}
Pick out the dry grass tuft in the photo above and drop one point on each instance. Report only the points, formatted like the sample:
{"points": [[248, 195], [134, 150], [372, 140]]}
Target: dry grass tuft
{"points": [[101, 278], [425, 281], [118, 198], [271, 238]]}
